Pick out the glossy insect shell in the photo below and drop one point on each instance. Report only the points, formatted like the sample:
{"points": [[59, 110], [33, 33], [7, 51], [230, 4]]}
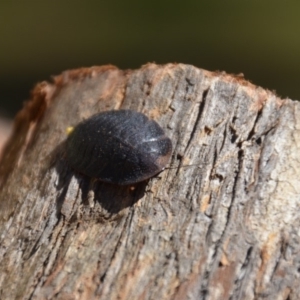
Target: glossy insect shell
{"points": [[120, 146]]}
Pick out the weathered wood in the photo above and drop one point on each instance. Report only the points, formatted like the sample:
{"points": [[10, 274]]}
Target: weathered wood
{"points": [[224, 228]]}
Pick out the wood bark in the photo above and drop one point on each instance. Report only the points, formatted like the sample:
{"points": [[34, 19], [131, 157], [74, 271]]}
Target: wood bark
{"points": [[222, 222], [5, 131]]}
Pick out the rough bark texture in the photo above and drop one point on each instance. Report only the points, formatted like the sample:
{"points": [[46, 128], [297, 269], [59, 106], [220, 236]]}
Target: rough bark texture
{"points": [[226, 227]]}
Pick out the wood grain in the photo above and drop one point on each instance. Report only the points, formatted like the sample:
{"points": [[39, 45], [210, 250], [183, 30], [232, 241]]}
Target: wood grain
{"points": [[221, 223]]}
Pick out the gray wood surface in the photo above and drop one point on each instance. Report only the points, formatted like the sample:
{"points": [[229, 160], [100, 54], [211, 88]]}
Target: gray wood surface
{"points": [[222, 222]]}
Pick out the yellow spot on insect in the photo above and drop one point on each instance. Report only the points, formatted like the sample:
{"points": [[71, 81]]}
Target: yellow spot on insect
{"points": [[69, 130]]}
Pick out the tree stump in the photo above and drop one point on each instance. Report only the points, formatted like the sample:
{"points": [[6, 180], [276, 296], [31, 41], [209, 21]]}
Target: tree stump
{"points": [[222, 222]]}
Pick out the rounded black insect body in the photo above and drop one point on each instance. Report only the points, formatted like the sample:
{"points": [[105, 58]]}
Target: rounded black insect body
{"points": [[119, 146]]}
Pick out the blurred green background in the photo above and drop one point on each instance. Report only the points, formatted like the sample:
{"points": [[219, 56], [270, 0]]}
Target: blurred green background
{"points": [[41, 38]]}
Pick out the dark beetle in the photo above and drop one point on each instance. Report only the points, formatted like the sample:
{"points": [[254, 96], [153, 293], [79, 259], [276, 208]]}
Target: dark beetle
{"points": [[120, 146]]}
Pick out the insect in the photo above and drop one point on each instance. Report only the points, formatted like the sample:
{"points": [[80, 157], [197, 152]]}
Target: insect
{"points": [[120, 146]]}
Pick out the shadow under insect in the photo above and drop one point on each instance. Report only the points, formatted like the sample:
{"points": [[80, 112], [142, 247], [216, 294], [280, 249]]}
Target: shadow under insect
{"points": [[81, 196]]}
